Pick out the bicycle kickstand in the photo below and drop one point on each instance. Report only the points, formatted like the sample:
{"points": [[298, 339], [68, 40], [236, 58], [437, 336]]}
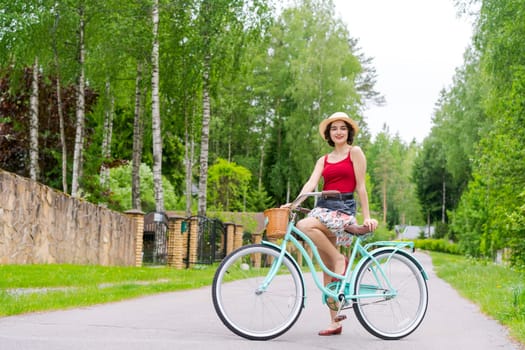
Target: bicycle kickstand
{"points": [[339, 316]]}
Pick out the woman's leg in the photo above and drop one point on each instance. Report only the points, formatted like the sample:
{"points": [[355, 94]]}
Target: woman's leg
{"points": [[332, 258], [325, 242]]}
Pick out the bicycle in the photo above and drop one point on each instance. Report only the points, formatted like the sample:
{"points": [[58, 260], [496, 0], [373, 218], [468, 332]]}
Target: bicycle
{"points": [[259, 291]]}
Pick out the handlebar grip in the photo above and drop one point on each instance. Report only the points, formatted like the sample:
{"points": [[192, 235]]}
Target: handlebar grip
{"points": [[357, 230]]}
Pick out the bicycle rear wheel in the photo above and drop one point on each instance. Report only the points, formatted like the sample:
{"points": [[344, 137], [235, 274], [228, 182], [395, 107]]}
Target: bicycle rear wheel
{"points": [[246, 307], [385, 315]]}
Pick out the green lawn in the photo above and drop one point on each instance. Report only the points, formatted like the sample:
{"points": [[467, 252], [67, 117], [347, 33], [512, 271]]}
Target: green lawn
{"points": [[498, 290], [29, 288]]}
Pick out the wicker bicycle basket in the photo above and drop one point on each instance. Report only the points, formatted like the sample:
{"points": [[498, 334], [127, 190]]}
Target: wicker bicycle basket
{"points": [[277, 222]]}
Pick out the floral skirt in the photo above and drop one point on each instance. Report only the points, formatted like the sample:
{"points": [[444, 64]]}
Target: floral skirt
{"points": [[335, 221]]}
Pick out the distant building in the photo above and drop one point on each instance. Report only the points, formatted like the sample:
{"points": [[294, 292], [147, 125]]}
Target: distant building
{"points": [[413, 232]]}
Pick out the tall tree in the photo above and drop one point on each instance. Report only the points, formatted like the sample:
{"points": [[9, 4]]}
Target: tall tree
{"points": [[206, 12], [383, 168], [155, 112], [34, 169], [60, 109], [138, 134], [23, 43], [310, 83], [80, 109], [223, 26], [107, 136]]}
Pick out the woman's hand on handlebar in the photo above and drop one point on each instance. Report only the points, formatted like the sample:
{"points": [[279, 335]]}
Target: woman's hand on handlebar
{"points": [[371, 224]]}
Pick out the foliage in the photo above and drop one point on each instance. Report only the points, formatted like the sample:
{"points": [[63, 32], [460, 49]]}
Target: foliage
{"points": [[14, 124], [258, 200], [517, 232], [307, 83], [438, 245], [247, 219], [477, 142], [228, 186], [119, 197], [441, 230], [390, 167], [435, 186], [273, 77]]}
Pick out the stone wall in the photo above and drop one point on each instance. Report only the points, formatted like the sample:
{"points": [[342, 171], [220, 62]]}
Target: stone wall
{"points": [[39, 225]]}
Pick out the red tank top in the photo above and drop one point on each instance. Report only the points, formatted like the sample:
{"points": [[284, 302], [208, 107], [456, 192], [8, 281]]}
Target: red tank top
{"points": [[339, 176]]}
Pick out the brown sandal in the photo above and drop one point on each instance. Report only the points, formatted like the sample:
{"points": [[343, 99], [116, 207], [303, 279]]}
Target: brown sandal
{"points": [[335, 331]]}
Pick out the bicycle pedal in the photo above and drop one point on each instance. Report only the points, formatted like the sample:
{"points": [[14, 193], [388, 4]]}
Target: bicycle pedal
{"points": [[340, 318]]}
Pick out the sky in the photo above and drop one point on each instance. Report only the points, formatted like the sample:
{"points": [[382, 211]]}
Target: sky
{"points": [[416, 46]]}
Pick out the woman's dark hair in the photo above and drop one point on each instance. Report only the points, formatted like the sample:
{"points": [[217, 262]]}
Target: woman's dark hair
{"points": [[351, 133]]}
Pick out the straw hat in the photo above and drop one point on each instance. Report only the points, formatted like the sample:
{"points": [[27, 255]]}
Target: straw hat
{"points": [[335, 117]]}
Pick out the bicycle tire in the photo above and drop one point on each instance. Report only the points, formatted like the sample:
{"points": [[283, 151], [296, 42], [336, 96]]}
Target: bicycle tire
{"points": [[391, 317], [242, 308]]}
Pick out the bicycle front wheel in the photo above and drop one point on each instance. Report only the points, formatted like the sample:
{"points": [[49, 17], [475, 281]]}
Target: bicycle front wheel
{"points": [[390, 313], [246, 305]]}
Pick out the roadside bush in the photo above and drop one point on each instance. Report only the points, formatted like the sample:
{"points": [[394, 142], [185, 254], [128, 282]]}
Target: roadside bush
{"points": [[438, 245]]}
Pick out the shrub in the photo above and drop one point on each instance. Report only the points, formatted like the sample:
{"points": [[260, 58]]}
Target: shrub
{"points": [[438, 245]]}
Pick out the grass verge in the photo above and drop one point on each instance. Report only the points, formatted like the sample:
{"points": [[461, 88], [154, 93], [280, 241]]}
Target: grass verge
{"points": [[498, 290], [30, 288]]}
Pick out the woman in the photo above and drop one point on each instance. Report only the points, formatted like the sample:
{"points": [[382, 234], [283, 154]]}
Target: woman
{"points": [[343, 170]]}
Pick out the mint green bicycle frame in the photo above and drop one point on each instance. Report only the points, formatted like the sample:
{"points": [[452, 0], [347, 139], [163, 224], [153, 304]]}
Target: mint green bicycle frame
{"points": [[350, 276]]}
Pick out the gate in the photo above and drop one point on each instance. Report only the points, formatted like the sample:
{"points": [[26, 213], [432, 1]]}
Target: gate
{"points": [[155, 245], [211, 243]]}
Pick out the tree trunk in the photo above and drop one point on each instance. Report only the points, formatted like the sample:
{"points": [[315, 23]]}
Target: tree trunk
{"points": [[62, 130], [79, 135], [261, 167], [188, 161], [203, 177], [385, 205], [107, 136], [444, 201], [33, 129], [155, 114], [59, 105], [138, 130]]}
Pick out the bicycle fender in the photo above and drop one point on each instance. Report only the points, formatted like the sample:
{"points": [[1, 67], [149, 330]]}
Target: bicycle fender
{"points": [[278, 248], [392, 251]]}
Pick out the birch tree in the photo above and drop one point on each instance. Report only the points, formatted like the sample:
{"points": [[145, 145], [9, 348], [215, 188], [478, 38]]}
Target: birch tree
{"points": [[80, 109], [33, 109], [138, 131], [155, 112], [58, 86], [224, 27], [206, 13], [106, 137]]}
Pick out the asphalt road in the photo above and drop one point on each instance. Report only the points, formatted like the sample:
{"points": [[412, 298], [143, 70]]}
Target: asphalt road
{"points": [[186, 320]]}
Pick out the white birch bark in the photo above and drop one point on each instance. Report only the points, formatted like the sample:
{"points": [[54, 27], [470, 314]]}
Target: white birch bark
{"points": [[59, 104], [138, 133], [80, 114], [155, 113], [33, 128], [107, 136], [205, 135], [188, 161]]}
